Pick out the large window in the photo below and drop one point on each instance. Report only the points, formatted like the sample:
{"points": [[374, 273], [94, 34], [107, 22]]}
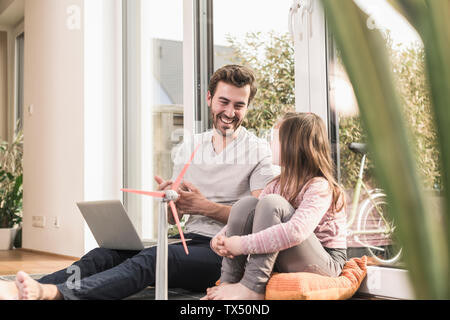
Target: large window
{"points": [[153, 114], [155, 55], [369, 216], [256, 34]]}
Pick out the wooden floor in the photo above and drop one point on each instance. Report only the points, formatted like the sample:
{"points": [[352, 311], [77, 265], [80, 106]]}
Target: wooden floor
{"points": [[31, 262]]}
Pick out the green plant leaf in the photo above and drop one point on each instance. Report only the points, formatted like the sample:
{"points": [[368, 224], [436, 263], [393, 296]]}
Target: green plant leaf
{"points": [[365, 57], [431, 20]]}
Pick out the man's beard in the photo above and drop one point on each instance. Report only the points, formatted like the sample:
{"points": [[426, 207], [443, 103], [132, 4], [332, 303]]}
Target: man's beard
{"points": [[218, 125]]}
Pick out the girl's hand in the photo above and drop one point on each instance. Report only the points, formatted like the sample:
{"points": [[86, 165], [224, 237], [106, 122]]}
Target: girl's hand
{"points": [[218, 246], [231, 247], [215, 244], [226, 247]]}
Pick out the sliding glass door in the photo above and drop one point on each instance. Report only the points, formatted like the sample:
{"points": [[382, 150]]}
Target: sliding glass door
{"points": [[153, 103]]}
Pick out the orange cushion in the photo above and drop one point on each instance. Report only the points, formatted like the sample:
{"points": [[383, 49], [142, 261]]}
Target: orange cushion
{"points": [[310, 286]]}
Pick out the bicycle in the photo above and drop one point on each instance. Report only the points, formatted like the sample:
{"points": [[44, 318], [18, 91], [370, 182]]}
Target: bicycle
{"points": [[374, 229]]}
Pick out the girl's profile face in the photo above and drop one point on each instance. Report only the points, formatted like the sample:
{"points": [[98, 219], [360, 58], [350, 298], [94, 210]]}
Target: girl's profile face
{"points": [[275, 145]]}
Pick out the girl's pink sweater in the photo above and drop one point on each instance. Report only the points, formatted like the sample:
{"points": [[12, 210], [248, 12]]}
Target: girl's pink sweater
{"points": [[313, 214]]}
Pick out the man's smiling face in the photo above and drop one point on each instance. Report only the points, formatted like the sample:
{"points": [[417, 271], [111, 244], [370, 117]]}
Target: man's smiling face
{"points": [[228, 107]]}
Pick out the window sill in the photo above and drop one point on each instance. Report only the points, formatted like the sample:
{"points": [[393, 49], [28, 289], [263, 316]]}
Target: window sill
{"points": [[387, 283]]}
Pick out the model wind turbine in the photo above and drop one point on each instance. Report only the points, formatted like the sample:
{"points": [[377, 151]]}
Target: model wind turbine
{"points": [[167, 197]]}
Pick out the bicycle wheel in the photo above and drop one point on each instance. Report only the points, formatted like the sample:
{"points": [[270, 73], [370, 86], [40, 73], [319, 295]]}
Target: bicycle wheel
{"points": [[378, 230]]}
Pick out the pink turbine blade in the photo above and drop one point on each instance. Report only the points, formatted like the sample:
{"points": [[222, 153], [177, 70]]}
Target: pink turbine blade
{"points": [[146, 193], [186, 166], [175, 216]]}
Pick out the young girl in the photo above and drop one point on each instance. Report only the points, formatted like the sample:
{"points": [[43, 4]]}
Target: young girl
{"points": [[298, 223]]}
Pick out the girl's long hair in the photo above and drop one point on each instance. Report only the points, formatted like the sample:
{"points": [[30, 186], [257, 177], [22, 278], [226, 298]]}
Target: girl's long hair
{"points": [[305, 154]]}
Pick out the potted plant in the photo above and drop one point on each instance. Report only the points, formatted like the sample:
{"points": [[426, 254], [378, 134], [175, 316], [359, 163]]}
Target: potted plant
{"points": [[11, 191]]}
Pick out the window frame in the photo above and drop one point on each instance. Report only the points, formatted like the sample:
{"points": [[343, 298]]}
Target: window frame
{"points": [[19, 64], [310, 45], [203, 61], [12, 33], [133, 79]]}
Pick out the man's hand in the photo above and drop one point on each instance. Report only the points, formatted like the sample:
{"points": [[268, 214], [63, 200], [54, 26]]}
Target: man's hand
{"points": [[167, 185], [191, 200], [163, 185]]}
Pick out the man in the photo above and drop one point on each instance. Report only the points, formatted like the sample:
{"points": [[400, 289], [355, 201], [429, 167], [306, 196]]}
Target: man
{"points": [[230, 164]]}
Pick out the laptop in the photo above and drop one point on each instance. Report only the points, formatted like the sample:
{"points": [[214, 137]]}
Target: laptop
{"points": [[112, 228]]}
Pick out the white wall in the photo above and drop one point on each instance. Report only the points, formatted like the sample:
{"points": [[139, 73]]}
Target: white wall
{"points": [[53, 145], [73, 137]]}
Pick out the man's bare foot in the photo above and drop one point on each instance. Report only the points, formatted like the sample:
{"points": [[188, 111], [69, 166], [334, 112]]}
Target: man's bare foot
{"points": [[235, 291], [209, 291], [8, 291], [30, 289]]}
